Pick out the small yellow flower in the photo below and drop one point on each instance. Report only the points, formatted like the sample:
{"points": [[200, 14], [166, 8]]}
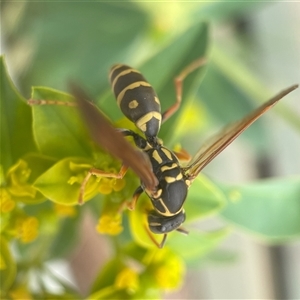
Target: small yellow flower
{"points": [[105, 186], [65, 210], [110, 224], [20, 292], [118, 184], [108, 185], [18, 176], [127, 279], [6, 202], [28, 229], [169, 271]]}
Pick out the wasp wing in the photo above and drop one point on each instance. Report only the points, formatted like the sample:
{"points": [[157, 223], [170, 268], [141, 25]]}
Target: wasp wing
{"points": [[226, 136], [105, 135]]}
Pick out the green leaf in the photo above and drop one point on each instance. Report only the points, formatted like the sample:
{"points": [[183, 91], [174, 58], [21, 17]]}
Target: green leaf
{"points": [[61, 183], [197, 244], [230, 92], [139, 224], [204, 199], [162, 69], [7, 266], [78, 40], [225, 9], [16, 132], [270, 209], [58, 129]]}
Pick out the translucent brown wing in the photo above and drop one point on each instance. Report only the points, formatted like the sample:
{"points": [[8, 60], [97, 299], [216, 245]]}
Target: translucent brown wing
{"points": [[106, 136], [227, 135]]}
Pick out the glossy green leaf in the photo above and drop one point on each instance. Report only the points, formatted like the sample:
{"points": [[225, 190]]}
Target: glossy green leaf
{"points": [[270, 209], [15, 118], [7, 266], [58, 129], [61, 183]]}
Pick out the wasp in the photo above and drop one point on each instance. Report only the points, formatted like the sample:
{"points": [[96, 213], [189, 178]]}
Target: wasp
{"points": [[162, 177]]}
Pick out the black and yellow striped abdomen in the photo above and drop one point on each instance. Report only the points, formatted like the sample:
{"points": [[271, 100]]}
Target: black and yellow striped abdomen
{"points": [[136, 98]]}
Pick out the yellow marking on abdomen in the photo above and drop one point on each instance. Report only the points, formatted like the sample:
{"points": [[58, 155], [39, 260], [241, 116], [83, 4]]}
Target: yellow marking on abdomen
{"points": [[113, 68], [125, 72], [170, 179], [142, 122], [131, 87], [133, 104]]}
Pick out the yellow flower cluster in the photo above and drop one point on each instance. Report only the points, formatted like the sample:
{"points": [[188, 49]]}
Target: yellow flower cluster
{"points": [[167, 268], [127, 279], [110, 224], [169, 275], [18, 176], [108, 185], [6, 202], [27, 229]]}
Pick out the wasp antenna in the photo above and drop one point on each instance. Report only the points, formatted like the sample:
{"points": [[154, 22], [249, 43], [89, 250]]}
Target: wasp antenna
{"points": [[182, 230]]}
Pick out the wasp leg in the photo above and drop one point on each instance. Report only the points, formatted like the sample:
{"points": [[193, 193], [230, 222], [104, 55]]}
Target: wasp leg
{"points": [[182, 230], [135, 198], [50, 102], [150, 234], [33, 102], [97, 172], [178, 86], [138, 140]]}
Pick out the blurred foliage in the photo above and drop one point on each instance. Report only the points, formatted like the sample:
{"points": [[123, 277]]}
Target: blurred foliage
{"points": [[46, 151]]}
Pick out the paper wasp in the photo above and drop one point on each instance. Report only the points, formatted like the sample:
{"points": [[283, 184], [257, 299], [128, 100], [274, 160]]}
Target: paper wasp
{"points": [[163, 179]]}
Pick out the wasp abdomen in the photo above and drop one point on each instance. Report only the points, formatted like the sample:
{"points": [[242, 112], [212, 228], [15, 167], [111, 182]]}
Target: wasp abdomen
{"points": [[136, 98]]}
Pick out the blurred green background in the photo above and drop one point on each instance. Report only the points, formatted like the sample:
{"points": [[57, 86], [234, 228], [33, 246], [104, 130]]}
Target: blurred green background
{"points": [[253, 53]]}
